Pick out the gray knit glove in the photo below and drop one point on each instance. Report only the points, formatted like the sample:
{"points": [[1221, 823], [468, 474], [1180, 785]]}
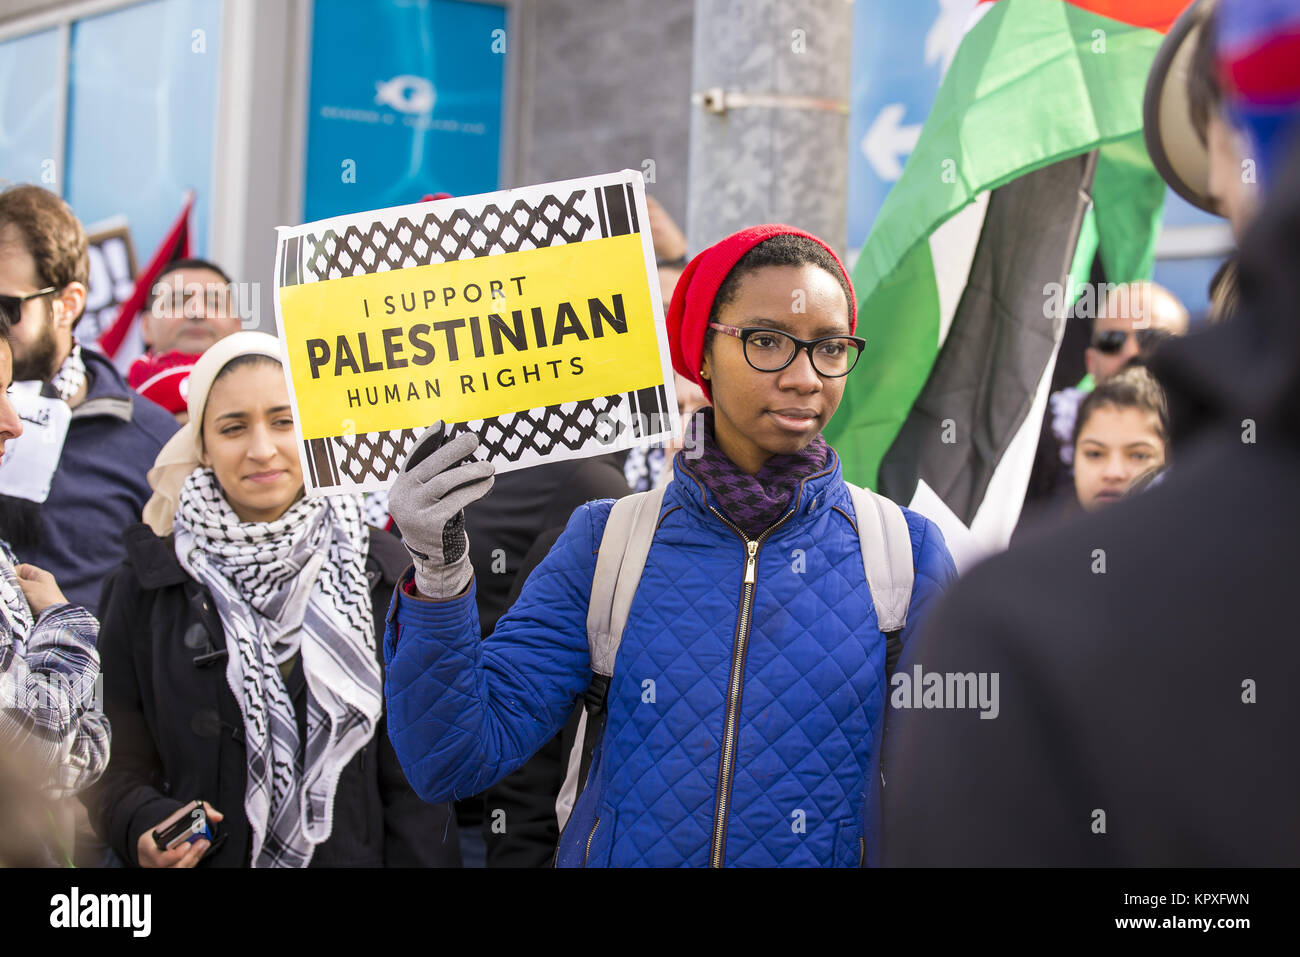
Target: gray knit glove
{"points": [[427, 502]]}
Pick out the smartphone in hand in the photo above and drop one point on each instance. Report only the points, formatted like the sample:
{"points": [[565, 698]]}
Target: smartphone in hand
{"points": [[187, 825]]}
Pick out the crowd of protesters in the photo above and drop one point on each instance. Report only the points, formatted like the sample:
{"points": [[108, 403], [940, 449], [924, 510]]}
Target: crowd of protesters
{"points": [[184, 632]]}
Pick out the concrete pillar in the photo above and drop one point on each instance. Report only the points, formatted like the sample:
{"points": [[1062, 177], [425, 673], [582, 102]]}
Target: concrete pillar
{"points": [[769, 120]]}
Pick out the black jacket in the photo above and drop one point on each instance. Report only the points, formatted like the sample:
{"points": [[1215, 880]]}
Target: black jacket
{"points": [[520, 827], [1146, 653], [178, 733]]}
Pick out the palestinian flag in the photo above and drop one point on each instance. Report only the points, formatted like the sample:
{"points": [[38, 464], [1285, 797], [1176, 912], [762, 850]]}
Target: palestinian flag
{"points": [[122, 341], [1031, 159]]}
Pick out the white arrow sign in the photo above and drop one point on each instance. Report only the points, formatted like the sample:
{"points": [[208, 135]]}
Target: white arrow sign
{"points": [[954, 21], [886, 141]]}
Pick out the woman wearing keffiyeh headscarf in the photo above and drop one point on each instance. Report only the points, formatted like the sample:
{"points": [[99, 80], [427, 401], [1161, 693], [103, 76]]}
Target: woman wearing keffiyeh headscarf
{"points": [[241, 662], [747, 696]]}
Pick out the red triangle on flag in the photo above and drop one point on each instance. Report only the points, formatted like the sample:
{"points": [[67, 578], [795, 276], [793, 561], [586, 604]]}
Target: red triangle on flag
{"points": [[175, 246], [1158, 15]]}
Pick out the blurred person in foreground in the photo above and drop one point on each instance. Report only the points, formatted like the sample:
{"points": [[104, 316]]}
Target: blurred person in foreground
{"points": [[76, 478], [1193, 140], [1145, 653], [48, 672], [27, 835], [191, 308], [241, 661], [1194, 143]]}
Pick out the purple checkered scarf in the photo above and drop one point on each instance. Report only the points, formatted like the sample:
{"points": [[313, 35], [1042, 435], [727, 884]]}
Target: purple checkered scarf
{"points": [[754, 502]]}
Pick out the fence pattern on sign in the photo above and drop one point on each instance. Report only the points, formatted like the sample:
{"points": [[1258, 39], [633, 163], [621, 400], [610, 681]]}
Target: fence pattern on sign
{"points": [[537, 431], [346, 460]]}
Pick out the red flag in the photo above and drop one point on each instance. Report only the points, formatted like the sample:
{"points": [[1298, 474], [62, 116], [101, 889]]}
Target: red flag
{"points": [[175, 246]]}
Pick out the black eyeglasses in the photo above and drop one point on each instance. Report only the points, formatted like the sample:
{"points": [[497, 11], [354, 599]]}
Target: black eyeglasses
{"points": [[12, 306], [770, 350], [1111, 341]]}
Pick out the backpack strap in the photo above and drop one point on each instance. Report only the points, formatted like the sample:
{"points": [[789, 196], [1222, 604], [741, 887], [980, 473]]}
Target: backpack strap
{"points": [[623, 550], [887, 559], [624, 547]]}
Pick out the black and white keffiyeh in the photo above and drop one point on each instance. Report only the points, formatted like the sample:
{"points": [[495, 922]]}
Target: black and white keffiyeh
{"points": [[295, 584], [374, 506], [71, 376], [15, 614]]}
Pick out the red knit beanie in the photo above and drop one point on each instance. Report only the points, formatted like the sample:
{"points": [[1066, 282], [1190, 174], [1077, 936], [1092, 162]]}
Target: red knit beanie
{"points": [[688, 314]]}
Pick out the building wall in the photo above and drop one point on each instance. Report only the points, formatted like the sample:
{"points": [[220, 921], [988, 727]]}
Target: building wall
{"points": [[606, 85]]}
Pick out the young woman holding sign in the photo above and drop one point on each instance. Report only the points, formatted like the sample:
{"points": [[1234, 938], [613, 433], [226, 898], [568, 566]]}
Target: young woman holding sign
{"points": [[240, 661], [747, 696]]}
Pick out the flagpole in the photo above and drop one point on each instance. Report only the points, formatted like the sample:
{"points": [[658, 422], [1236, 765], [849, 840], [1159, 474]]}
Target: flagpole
{"points": [[769, 117]]}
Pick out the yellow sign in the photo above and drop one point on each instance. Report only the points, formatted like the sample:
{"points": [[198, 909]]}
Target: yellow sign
{"points": [[471, 339], [530, 317]]}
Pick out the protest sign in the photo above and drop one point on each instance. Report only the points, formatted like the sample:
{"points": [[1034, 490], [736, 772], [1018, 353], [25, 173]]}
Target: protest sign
{"points": [[112, 277], [531, 317]]}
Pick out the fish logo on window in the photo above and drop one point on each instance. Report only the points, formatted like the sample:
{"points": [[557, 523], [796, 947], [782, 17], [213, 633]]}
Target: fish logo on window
{"points": [[406, 94]]}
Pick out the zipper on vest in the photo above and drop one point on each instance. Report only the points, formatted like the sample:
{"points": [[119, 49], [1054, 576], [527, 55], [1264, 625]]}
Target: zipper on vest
{"points": [[740, 645], [862, 852], [587, 853]]}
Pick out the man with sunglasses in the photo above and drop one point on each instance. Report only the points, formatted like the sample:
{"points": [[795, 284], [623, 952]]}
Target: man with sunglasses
{"points": [[76, 477], [1133, 319]]}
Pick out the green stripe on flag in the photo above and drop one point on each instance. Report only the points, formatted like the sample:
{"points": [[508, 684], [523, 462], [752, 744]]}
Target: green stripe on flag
{"points": [[1130, 197], [902, 341]]}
